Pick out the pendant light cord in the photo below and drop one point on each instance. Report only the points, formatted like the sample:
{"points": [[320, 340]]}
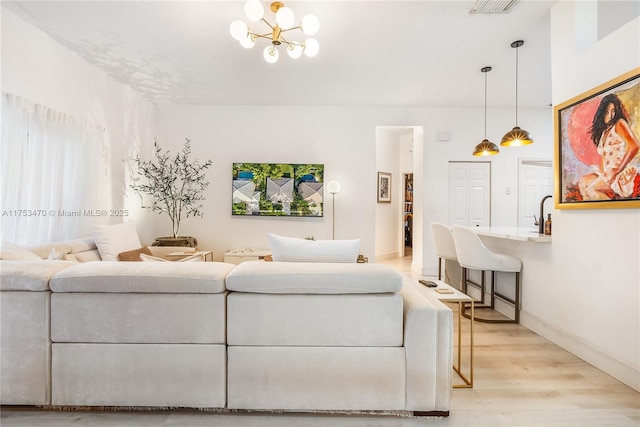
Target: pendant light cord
{"points": [[517, 48], [485, 105]]}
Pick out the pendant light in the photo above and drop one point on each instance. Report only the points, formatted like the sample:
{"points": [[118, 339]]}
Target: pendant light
{"points": [[516, 136], [485, 147]]}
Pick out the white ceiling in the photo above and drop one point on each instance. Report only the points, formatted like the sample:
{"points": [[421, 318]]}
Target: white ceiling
{"points": [[374, 53]]}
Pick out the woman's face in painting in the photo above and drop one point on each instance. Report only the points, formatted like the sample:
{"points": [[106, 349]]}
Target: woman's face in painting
{"points": [[610, 114]]}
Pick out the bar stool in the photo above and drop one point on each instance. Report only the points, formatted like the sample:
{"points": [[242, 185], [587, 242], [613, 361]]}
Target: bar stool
{"points": [[473, 255], [444, 245]]}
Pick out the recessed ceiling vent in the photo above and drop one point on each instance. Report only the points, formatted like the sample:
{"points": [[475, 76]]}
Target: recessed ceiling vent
{"points": [[492, 6]]}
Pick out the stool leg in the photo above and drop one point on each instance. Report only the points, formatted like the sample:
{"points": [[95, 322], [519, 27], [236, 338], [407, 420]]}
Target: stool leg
{"points": [[517, 300], [464, 280], [493, 288], [439, 268]]}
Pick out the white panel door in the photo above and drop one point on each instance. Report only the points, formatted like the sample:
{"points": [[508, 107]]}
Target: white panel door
{"points": [[458, 193], [535, 180], [470, 193]]}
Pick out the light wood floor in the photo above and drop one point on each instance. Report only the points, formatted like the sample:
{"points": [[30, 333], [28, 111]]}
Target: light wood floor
{"points": [[521, 379]]}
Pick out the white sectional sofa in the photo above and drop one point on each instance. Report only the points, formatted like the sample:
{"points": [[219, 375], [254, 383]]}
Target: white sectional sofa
{"points": [[259, 335]]}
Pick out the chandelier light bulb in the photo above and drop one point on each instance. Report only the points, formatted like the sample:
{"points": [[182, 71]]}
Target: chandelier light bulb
{"points": [[254, 10], [271, 54], [285, 18], [248, 42], [294, 50], [310, 25], [238, 30], [311, 47]]}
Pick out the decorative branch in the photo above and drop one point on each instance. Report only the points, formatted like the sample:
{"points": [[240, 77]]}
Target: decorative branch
{"points": [[175, 184]]}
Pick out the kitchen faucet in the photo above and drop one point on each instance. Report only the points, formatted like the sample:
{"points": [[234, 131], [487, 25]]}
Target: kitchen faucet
{"points": [[540, 221]]}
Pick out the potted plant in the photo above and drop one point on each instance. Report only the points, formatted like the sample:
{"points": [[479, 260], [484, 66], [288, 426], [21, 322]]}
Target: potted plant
{"points": [[175, 185]]}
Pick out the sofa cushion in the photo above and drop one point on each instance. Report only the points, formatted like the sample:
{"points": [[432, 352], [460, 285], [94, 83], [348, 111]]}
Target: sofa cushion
{"points": [[155, 277], [25, 350], [9, 251], [365, 320], [316, 378], [29, 275], [149, 375], [116, 238], [289, 249], [313, 278], [101, 317]]}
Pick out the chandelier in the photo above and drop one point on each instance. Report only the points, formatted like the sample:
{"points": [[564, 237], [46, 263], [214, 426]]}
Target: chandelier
{"points": [[285, 21]]}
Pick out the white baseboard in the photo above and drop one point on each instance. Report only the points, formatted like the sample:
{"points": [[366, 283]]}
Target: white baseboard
{"points": [[587, 352], [387, 256]]}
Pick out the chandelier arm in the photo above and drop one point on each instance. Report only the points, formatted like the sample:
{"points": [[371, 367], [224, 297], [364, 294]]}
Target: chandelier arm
{"points": [[299, 27], [283, 40], [261, 36], [267, 22]]}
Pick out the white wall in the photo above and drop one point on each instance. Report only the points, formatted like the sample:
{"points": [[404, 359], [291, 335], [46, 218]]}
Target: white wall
{"points": [[39, 69], [586, 296], [344, 139], [387, 215]]}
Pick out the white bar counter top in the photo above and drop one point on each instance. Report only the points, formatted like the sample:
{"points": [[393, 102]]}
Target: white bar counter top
{"points": [[513, 233]]}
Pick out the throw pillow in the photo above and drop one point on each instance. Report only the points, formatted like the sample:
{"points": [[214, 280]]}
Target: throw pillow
{"points": [[289, 249], [114, 239], [9, 251], [134, 255]]}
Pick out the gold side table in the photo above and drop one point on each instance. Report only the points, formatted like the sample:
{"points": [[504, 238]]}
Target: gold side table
{"points": [[462, 299]]}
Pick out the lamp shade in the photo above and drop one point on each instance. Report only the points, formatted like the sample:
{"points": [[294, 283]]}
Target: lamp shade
{"points": [[311, 47], [294, 51], [270, 54], [254, 10], [238, 29], [333, 187], [486, 148], [285, 18], [516, 137], [248, 42], [310, 25]]}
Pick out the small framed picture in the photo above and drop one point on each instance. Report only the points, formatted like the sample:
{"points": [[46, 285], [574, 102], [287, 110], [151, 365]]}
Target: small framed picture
{"points": [[384, 187]]}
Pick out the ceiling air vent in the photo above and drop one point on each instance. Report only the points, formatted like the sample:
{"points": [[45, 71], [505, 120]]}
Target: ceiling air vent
{"points": [[492, 6]]}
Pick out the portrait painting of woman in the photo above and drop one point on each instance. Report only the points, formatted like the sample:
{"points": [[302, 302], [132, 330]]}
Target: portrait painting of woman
{"points": [[599, 146]]}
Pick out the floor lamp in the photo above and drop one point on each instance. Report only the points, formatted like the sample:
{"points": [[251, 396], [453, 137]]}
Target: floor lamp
{"points": [[333, 187]]}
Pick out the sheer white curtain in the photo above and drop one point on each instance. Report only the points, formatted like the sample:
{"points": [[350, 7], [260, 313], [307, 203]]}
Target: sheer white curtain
{"points": [[50, 167]]}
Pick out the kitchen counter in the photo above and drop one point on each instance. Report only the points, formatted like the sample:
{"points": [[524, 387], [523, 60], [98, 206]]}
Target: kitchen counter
{"points": [[513, 233]]}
